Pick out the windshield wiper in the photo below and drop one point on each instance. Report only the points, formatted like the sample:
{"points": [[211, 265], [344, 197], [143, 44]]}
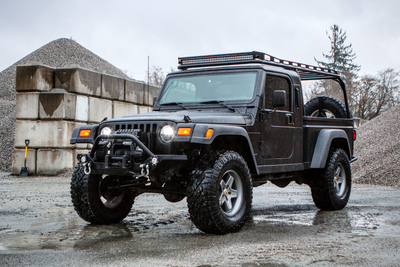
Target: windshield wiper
{"points": [[174, 104], [220, 103]]}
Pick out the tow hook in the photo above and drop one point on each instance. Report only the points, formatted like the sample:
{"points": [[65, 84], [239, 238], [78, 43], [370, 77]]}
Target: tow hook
{"points": [[150, 163], [86, 165], [145, 169]]}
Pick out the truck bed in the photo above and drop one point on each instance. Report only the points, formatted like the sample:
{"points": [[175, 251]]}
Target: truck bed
{"points": [[313, 125]]}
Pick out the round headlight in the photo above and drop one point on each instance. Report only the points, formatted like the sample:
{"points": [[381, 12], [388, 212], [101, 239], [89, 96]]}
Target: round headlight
{"points": [[106, 131], [167, 133]]}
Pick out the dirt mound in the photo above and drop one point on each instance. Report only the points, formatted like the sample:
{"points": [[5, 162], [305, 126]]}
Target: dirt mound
{"points": [[378, 150], [59, 53]]}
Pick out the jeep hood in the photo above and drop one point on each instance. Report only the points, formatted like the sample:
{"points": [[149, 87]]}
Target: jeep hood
{"points": [[193, 116]]}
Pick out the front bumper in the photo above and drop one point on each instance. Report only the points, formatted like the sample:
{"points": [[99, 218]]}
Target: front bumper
{"points": [[129, 163]]}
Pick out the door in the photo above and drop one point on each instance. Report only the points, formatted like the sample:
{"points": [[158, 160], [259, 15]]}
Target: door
{"points": [[277, 124]]}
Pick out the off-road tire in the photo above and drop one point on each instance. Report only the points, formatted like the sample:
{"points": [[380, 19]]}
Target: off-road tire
{"points": [[87, 199], [331, 188], [209, 198], [323, 106]]}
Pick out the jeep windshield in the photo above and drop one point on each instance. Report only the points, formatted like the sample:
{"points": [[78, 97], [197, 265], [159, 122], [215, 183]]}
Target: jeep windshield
{"points": [[209, 88]]}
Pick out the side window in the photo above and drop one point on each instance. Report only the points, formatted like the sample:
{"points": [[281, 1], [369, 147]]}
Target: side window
{"points": [[276, 83]]}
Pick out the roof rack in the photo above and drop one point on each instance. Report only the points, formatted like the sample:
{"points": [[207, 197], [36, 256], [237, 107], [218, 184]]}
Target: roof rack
{"points": [[306, 72]]}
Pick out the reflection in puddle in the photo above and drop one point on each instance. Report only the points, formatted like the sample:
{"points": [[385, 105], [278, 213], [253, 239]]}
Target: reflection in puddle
{"points": [[285, 218], [345, 219], [63, 229]]}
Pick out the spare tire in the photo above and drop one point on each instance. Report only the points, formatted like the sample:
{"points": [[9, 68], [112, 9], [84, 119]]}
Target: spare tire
{"points": [[325, 106]]}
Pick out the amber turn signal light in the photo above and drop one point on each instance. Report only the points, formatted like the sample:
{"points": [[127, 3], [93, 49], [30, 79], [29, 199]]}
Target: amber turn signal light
{"points": [[84, 133], [209, 133], [184, 131]]}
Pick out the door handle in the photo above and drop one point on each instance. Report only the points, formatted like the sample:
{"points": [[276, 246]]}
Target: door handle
{"points": [[289, 119]]}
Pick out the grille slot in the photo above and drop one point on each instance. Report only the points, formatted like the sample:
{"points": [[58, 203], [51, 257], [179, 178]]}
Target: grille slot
{"points": [[149, 131]]}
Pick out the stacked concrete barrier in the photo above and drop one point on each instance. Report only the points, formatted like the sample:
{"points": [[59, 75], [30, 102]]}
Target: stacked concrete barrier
{"points": [[51, 102]]}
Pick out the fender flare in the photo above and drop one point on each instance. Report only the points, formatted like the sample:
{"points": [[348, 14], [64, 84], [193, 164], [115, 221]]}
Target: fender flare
{"points": [[200, 130], [323, 145]]}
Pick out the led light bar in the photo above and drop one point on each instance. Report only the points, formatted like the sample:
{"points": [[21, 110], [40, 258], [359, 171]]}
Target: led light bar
{"points": [[246, 58]]}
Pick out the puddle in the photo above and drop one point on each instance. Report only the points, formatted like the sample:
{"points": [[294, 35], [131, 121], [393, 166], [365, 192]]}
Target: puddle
{"points": [[61, 228], [284, 218], [348, 219]]}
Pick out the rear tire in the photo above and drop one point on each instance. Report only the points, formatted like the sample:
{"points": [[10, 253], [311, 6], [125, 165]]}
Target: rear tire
{"points": [[94, 202], [331, 188], [220, 193]]}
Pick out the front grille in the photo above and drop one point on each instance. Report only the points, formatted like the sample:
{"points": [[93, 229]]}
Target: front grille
{"points": [[148, 132]]}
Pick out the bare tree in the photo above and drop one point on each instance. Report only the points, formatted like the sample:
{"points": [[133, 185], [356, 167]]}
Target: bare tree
{"points": [[363, 97], [389, 83], [156, 75], [375, 94]]}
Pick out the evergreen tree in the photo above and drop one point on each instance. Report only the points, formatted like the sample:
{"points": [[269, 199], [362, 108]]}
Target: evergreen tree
{"points": [[341, 57]]}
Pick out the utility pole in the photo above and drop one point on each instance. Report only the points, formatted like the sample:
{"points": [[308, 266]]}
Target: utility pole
{"points": [[148, 80]]}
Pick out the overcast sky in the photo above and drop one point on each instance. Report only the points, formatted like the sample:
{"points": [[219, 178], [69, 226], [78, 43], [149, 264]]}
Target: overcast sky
{"points": [[126, 32]]}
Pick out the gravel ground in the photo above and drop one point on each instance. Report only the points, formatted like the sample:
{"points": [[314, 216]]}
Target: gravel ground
{"points": [[39, 227], [59, 53], [378, 150]]}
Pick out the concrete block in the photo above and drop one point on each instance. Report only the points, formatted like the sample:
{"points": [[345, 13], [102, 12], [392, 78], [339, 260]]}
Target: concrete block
{"points": [[44, 134], [144, 109], [99, 109], [123, 108], [78, 80], [82, 108], [52, 161], [27, 105], [18, 160], [112, 87], [134, 91], [150, 92], [57, 104], [34, 78]]}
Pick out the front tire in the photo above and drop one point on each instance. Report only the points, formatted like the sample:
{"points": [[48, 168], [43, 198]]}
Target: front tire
{"points": [[331, 188], [220, 193], [95, 202]]}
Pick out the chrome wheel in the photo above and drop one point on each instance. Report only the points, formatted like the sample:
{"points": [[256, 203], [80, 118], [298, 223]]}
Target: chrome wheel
{"points": [[231, 193], [339, 181]]}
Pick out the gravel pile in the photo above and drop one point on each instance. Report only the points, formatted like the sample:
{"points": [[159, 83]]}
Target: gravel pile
{"points": [[378, 150], [59, 53]]}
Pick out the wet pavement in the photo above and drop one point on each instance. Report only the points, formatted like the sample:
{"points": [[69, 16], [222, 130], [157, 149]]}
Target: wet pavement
{"points": [[39, 227]]}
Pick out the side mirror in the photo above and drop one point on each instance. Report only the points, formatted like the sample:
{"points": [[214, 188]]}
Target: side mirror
{"points": [[155, 100], [278, 98]]}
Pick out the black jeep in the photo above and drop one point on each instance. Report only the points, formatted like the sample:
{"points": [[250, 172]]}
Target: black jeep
{"points": [[220, 126]]}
